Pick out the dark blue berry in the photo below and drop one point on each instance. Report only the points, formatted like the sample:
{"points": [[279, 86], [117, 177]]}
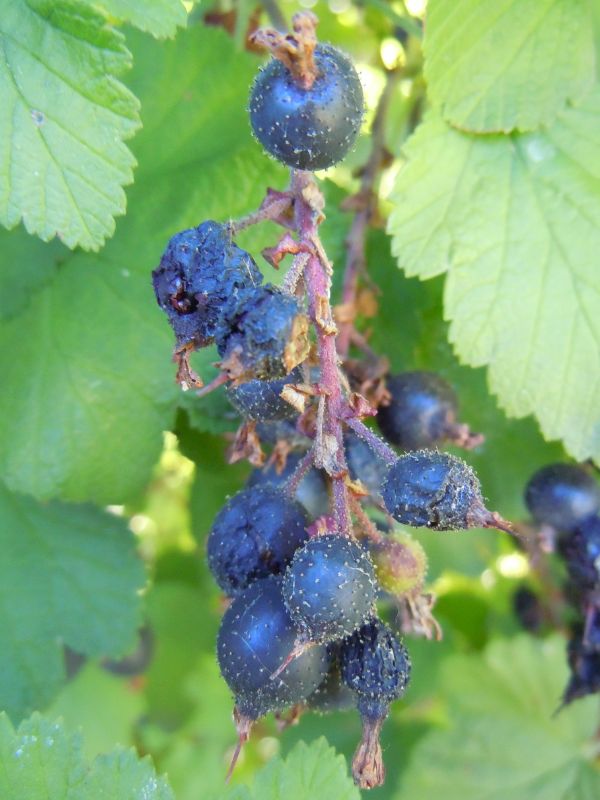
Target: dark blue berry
{"points": [[376, 666], [253, 536], [581, 552], [363, 464], [200, 269], [262, 400], [329, 587], [421, 412], [562, 495], [256, 633], [528, 609], [261, 333], [312, 491], [436, 490], [312, 128]]}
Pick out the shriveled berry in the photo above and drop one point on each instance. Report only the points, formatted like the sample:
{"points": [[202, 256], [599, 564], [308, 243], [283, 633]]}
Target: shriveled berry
{"points": [[308, 128], [312, 490], [562, 496], [363, 464], [261, 333], [376, 666], [329, 587], [256, 633], [255, 535], [200, 269], [436, 490], [262, 401], [422, 412]]}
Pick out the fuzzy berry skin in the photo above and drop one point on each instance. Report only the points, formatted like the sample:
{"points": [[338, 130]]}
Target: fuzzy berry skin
{"points": [[581, 552], [255, 535], [262, 401], [312, 491], [261, 333], [562, 496], [421, 412], [329, 587], [200, 269], [376, 666], [363, 464], [313, 128], [433, 490], [256, 634]]}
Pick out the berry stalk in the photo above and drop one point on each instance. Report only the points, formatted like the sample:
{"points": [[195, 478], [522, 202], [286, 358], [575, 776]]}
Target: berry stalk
{"points": [[329, 445]]}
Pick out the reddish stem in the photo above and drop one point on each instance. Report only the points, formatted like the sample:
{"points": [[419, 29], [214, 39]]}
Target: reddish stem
{"points": [[329, 444], [377, 445]]}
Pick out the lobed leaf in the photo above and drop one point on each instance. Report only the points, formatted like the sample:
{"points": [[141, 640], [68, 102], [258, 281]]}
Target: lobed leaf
{"points": [[513, 64], [159, 17], [41, 760], [68, 574], [514, 221], [65, 116]]}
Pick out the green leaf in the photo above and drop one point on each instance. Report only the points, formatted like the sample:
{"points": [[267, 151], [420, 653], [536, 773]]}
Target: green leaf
{"points": [[310, 771], [84, 404], [40, 760], [158, 17], [497, 65], [502, 739], [64, 117], [69, 574], [514, 222]]}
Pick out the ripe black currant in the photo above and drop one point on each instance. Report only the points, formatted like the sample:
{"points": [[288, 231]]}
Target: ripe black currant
{"points": [[256, 633], [562, 496], [329, 587], [308, 127], [253, 536], [376, 666], [422, 412], [200, 269], [435, 490], [262, 401], [581, 552], [312, 490], [261, 333], [363, 464]]}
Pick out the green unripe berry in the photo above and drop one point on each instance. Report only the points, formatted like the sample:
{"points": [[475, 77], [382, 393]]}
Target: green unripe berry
{"points": [[400, 563]]}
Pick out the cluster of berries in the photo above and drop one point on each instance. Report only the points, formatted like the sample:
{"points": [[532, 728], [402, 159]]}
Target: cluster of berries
{"points": [[564, 499], [300, 560]]}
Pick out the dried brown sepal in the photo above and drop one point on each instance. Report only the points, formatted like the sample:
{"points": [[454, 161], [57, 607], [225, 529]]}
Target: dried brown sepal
{"points": [[368, 769], [246, 445], [243, 726], [185, 376], [294, 397], [294, 50], [462, 436], [418, 617], [298, 345], [286, 246], [360, 407], [323, 316], [283, 721]]}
